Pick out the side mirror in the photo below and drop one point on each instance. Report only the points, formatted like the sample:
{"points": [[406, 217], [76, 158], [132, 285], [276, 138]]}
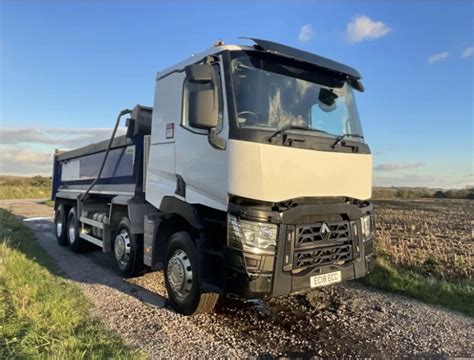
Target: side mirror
{"points": [[131, 124], [327, 97], [199, 73], [203, 109]]}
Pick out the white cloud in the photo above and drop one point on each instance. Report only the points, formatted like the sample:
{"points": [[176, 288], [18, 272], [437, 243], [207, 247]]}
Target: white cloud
{"points": [[60, 137], [364, 28], [437, 57], [467, 52], [18, 160], [29, 151], [419, 180], [398, 166], [306, 33]]}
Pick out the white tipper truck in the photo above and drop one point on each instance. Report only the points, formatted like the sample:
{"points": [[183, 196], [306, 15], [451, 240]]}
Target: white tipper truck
{"points": [[248, 178]]}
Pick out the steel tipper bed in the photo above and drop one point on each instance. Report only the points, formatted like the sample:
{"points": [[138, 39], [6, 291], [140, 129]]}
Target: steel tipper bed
{"points": [[103, 182]]}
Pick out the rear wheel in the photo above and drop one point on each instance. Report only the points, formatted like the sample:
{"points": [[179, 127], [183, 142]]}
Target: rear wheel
{"points": [[75, 243], [60, 222], [182, 277], [128, 250]]}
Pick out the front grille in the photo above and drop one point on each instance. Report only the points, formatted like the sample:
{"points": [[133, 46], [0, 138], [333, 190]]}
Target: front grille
{"points": [[307, 235], [323, 256], [322, 243]]}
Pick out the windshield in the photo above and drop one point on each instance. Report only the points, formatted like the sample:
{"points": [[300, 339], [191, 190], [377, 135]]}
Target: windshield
{"points": [[273, 95]]}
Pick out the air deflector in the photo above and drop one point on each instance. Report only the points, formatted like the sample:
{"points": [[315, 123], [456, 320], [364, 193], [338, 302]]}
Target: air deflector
{"points": [[353, 75]]}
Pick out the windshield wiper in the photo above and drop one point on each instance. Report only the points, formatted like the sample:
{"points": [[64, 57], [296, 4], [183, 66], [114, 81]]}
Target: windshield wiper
{"points": [[340, 137], [289, 127]]}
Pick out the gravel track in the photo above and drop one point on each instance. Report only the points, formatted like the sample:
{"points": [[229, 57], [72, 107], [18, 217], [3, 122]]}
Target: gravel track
{"points": [[339, 321]]}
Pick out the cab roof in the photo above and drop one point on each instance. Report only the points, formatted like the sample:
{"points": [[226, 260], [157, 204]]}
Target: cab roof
{"points": [[305, 56], [279, 49]]}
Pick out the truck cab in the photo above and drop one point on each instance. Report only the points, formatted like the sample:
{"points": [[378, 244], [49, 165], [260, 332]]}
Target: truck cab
{"points": [[251, 179]]}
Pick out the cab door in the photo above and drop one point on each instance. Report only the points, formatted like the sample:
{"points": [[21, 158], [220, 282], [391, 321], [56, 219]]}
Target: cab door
{"points": [[202, 167], [161, 167]]}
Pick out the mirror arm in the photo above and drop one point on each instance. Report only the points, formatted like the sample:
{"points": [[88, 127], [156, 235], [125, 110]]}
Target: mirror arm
{"points": [[216, 141]]}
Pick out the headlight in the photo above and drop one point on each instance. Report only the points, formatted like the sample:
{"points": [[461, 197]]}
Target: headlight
{"points": [[365, 223], [250, 233]]}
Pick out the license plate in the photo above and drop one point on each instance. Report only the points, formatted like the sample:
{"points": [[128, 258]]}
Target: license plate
{"points": [[325, 279]]}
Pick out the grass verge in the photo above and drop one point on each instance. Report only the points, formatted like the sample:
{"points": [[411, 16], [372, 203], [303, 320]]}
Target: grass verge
{"points": [[458, 296], [23, 192], [20, 187], [41, 314], [48, 203]]}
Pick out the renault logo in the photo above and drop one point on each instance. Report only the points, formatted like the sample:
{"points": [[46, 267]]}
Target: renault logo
{"points": [[325, 232]]}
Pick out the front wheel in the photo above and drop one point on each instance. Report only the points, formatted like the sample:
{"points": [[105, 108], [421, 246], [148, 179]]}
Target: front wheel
{"points": [[182, 277]]}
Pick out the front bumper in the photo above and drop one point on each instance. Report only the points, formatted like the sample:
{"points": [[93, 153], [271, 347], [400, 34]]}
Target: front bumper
{"points": [[289, 269]]}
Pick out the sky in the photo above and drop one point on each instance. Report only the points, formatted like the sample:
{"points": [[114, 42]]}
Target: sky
{"points": [[68, 67]]}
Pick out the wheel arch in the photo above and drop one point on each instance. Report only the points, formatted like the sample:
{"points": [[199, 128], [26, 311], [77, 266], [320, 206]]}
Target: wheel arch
{"points": [[176, 207], [117, 213], [170, 224], [176, 215], [65, 202], [131, 207]]}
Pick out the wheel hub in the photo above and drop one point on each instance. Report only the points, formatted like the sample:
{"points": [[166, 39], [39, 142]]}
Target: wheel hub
{"points": [[72, 232], [122, 247], [59, 226], [180, 275]]}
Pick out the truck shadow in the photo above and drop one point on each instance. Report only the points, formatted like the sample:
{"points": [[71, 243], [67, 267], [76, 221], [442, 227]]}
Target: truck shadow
{"points": [[90, 266]]}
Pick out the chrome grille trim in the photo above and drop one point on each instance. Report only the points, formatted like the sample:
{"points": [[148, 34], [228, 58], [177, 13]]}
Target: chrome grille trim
{"points": [[315, 246], [309, 235]]}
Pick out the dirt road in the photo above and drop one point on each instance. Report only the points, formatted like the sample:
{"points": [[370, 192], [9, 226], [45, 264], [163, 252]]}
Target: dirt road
{"points": [[340, 321]]}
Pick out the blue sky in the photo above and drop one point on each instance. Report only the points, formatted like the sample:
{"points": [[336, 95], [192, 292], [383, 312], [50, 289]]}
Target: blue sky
{"points": [[67, 66]]}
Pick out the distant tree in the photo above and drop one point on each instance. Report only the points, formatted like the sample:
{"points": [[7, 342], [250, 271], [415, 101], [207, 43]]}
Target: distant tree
{"points": [[467, 193], [402, 194], [470, 193], [40, 181]]}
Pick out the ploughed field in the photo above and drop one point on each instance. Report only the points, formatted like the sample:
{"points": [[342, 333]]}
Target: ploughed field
{"points": [[430, 236]]}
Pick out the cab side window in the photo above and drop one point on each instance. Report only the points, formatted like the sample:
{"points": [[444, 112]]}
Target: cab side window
{"points": [[190, 87]]}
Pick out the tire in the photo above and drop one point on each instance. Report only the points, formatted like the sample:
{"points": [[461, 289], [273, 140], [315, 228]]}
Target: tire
{"points": [[128, 250], [60, 222], [75, 243], [182, 277]]}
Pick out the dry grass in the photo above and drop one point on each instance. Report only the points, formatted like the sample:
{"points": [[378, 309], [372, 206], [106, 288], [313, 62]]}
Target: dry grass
{"points": [[17, 187], [430, 236], [43, 316], [24, 192]]}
